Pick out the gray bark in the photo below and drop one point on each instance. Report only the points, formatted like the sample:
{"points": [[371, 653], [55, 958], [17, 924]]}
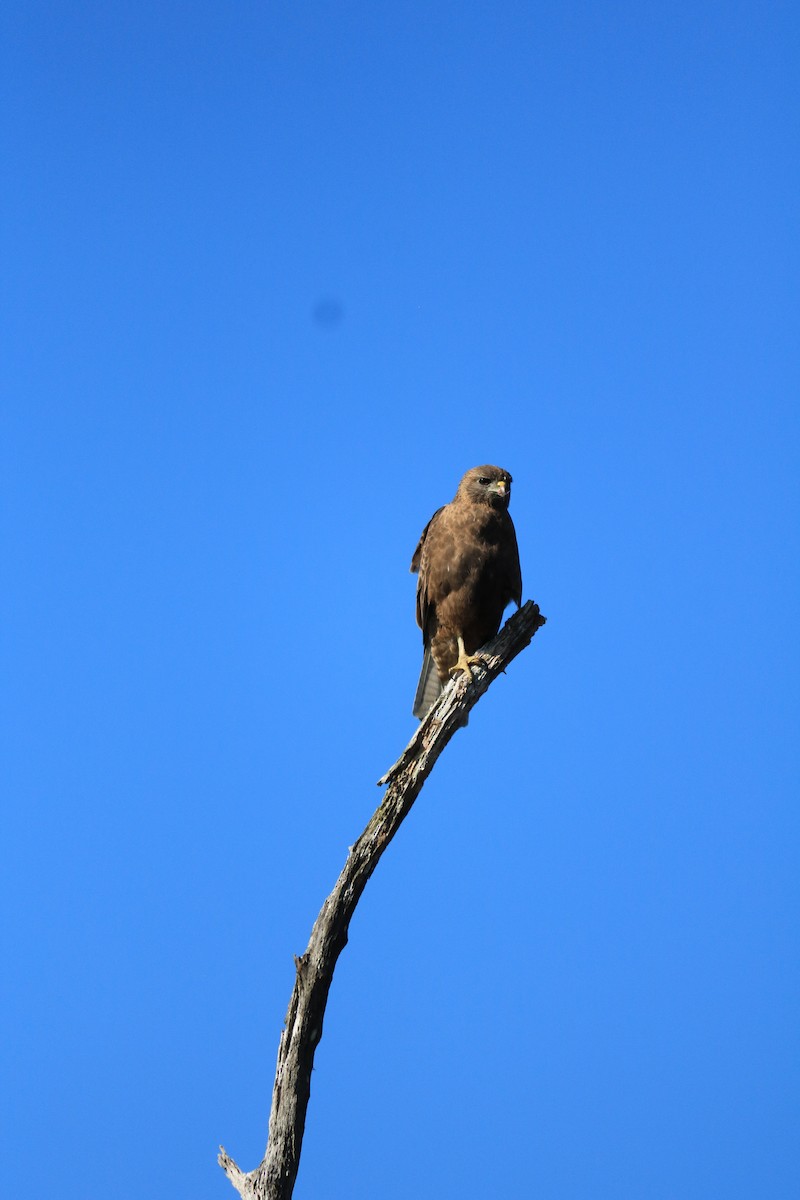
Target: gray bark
{"points": [[274, 1178]]}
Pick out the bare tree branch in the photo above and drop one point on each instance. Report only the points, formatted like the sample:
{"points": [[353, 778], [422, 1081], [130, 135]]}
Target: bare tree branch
{"points": [[274, 1178]]}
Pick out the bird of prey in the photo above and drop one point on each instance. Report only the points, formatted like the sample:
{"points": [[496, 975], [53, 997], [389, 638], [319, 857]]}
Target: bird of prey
{"points": [[468, 565]]}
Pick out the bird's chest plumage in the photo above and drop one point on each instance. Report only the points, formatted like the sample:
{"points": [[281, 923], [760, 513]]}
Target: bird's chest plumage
{"points": [[466, 539], [470, 589]]}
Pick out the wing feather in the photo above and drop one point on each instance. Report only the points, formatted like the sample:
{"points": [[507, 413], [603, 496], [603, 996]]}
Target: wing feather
{"points": [[419, 564]]}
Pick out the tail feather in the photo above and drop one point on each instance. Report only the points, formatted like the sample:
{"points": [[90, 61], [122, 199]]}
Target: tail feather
{"points": [[429, 686]]}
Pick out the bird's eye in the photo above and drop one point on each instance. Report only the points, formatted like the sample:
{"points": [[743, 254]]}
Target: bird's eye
{"points": [[484, 480]]}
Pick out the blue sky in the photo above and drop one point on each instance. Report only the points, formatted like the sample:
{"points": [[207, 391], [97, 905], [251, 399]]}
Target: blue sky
{"points": [[275, 275]]}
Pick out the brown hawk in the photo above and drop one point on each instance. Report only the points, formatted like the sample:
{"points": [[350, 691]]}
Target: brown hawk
{"points": [[468, 565]]}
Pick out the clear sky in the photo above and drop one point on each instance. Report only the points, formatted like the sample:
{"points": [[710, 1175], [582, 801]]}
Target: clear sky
{"points": [[275, 275]]}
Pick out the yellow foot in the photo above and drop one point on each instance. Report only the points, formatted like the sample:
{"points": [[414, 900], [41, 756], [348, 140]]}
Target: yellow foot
{"points": [[465, 661]]}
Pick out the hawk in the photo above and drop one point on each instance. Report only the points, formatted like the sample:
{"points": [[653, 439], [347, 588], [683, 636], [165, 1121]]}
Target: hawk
{"points": [[468, 565]]}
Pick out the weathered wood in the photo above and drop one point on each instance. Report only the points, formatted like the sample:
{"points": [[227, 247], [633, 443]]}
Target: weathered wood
{"points": [[274, 1178]]}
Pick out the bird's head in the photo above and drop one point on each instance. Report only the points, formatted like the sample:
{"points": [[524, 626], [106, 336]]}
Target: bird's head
{"points": [[486, 485]]}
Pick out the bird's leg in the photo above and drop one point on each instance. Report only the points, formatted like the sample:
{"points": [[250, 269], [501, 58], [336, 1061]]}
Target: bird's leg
{"points": [[465, 660]]}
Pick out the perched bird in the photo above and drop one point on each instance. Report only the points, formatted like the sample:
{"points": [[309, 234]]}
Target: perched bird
{"points": [[468, 565]]}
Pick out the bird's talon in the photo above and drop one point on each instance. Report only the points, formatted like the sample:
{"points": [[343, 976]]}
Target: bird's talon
{"points": [[465, 661]]}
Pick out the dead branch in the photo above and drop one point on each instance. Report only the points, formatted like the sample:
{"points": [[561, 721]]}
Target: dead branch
{"points": [[274, 1178]]}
